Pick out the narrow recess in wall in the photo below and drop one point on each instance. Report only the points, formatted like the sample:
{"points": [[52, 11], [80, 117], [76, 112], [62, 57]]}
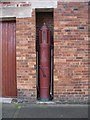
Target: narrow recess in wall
{"points": [[44, 16]]}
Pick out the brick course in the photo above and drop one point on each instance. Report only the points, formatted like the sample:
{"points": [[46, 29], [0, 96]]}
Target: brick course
{"points": [[26, 56], [70, 53]]}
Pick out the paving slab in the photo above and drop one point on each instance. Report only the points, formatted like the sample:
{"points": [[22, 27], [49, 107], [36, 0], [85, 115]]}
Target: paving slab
{"points": [[44, 111], [8, 110]]}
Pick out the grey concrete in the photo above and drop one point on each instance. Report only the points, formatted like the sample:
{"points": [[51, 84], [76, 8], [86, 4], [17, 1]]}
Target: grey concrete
{"points": [[18, 12], [8, 110], [44, 111], [25, 11], [0, 111]]}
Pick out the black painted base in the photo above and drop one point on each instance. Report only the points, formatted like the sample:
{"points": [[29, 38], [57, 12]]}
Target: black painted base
{"points": [[44, 99]]}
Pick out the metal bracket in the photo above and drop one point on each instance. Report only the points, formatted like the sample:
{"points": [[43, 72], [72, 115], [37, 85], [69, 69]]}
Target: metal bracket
{"points": [[44, 75]]}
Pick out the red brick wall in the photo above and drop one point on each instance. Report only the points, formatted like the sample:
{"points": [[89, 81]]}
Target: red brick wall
{"points": [[26, 57], [71, 52]]}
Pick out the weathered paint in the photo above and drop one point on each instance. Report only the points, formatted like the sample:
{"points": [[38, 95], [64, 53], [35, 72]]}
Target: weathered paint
{"points": [[16, 9], [44, 67], [22, 11], [9, 86], [0, 59]]}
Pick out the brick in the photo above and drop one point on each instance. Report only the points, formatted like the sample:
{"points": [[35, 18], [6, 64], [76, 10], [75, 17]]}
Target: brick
{"points": [[70, 53]]}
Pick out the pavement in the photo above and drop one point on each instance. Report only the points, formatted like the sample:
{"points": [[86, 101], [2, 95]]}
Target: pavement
{"points": [[44, 110]]}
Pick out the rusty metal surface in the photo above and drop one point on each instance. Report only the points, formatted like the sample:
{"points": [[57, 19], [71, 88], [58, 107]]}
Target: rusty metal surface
{"points": [[44, 66]]}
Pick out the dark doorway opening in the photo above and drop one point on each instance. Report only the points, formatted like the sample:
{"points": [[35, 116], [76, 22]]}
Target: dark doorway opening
{"points": [[44, 16]]}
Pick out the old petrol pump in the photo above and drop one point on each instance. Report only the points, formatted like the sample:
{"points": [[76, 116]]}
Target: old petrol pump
{"points": [[44, 66], [44, 61]]}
